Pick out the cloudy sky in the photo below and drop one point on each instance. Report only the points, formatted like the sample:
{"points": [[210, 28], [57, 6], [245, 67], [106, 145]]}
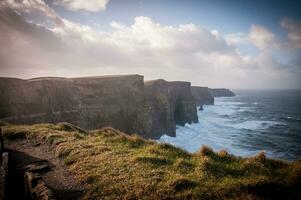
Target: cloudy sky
{"points": [[235, 44]]}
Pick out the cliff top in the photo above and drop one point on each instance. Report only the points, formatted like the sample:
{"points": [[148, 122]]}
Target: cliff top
{"points": [[200, 87], [109, 76], [62, 78], [114, 165], [151, 82]]}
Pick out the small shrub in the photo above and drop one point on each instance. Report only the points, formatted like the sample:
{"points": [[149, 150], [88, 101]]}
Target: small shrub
{"points": [[223, 154], [260, 158], [206, 151], [65, 126]]}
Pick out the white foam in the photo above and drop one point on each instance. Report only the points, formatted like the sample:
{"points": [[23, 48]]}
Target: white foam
{"points": [[256, 124]]}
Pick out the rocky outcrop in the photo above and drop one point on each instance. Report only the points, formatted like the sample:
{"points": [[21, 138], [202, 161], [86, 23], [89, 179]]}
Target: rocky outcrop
{"points": [[122, 102], [202, 96], [170, 104], [3, 169], [36, 188], [222, 92]]}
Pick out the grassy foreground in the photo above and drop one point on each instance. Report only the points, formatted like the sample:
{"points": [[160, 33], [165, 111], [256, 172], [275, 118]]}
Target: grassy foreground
{"points": [[113, 165]]}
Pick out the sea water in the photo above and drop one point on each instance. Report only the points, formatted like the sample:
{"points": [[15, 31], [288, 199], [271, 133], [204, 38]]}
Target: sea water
{"points": [[251, 122]]}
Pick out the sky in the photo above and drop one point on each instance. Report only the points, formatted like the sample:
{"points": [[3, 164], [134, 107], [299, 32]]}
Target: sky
{"points": [[234, 44]]}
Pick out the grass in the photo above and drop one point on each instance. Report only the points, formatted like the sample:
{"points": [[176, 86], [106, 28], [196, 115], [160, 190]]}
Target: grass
{"points": [[114, 165]]}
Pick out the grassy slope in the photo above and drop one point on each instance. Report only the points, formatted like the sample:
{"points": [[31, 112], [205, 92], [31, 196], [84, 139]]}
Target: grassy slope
{"points": [[113, 165]]}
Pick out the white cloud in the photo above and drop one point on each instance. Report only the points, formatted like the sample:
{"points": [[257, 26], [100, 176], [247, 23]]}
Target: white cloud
{"points": [[237, 38], [83, 5], [294, 31], [262, 38], [184, 52], [31, 6]]}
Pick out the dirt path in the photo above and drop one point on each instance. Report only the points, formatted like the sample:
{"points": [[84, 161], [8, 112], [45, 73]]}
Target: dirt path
{"points": [[57, 177]]}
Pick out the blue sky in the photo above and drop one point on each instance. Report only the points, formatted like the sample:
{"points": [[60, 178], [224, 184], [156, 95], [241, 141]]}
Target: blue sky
{"points": [[236, 44], [227, 16]]}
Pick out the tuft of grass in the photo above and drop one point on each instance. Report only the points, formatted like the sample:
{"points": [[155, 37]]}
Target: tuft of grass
{"points": [[65, 126], [206, 151], [114, 165]]}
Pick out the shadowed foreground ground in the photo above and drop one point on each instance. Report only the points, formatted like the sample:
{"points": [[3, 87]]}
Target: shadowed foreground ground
{"points": [[109, 164]]}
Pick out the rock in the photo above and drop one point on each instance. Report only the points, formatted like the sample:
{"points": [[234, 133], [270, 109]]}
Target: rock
{"points": [[35, 187], [202, 96], [169, 103], [121, 102], [221, 92], [90, 102], [3, 175], [37, 168], [157, 100], [183, 106]]}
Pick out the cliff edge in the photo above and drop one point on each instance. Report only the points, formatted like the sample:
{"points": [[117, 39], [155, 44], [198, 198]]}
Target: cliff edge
{"points": [[222, 92]]}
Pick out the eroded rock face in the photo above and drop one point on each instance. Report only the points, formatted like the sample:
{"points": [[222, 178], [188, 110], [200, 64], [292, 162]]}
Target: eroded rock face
{"points": [[182, 102], [170, 103], [116, 101], [157, 100], [221, 92], [38, 100], [90, 103], [202, 96], [122, 102]]}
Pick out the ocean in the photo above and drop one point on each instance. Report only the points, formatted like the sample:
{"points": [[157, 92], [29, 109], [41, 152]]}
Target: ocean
{"points": [[251, 122]]}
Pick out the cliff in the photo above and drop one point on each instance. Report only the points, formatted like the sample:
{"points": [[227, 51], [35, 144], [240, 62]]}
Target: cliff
{"points": [[122, 102], [202, 95], [90, 102], [157, 100], [221, 92], [170, 104], [183, 105]]}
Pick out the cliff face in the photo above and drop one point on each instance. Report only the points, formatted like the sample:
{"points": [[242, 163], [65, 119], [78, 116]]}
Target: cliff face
{"points": [[91, 102], [38, 100], [122, 102], [170, 103], [222, 92], [182, 102], [202, 95], [157, 100], [116, 101]]}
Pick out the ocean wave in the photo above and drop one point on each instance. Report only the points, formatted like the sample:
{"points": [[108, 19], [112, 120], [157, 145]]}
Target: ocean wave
{"points": [[256, 124], [235, 126]]}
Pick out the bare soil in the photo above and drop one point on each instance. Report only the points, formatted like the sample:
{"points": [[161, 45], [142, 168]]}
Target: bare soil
{"points": [[58, 178]]}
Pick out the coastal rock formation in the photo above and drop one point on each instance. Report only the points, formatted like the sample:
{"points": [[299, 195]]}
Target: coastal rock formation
{"points": [[157, 100], [122, 102], [91, 102], [202, 96], [170, 103], [182, 102], [221, 92]]}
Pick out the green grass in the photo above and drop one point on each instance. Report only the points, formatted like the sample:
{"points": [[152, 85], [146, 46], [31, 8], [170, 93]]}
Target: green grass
{"points": [[114, 165]]}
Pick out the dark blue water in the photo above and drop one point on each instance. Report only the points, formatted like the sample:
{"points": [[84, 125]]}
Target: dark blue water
{"points": [[250, 122]]}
